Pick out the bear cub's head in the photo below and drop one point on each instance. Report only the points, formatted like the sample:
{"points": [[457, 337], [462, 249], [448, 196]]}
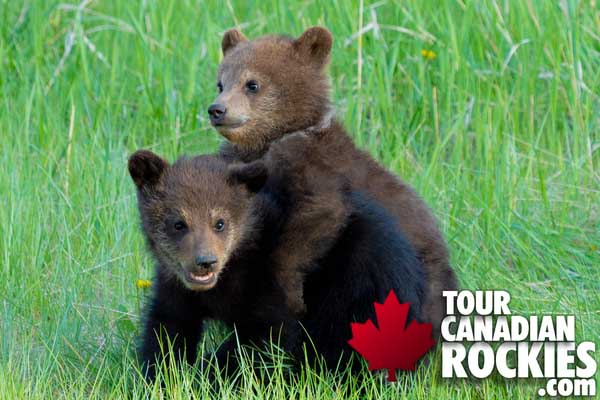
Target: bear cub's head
{"points": [[271, 86], [194, 212]]}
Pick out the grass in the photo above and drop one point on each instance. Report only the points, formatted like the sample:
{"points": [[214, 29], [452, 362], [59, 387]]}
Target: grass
{"points": [[500, 133]]}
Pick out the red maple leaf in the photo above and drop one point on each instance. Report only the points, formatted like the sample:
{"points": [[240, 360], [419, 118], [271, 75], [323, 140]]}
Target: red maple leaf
{"points": [[394, 345]]}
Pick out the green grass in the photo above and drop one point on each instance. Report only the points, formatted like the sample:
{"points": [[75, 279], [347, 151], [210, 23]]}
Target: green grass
{"points": [[500, 133]]}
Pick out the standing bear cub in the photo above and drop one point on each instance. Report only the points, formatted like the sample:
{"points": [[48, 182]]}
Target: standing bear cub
{"points": [[214, 230], [273, 87]]}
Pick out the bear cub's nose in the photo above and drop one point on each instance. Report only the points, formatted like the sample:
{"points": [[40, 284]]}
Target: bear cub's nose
{"points": [[206, 261], [217, 112]]}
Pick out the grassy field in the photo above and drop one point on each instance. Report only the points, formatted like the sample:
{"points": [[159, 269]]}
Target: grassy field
{"points": [[491, 110]]}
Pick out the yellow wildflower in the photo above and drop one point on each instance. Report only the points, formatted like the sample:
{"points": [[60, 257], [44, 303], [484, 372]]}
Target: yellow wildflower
{"points": [[143, 283], [428, 54]]}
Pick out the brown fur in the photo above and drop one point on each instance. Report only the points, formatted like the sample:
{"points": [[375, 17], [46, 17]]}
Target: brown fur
{"points": [[263, 60], [318, 213], [293, 98], [197, 195]]}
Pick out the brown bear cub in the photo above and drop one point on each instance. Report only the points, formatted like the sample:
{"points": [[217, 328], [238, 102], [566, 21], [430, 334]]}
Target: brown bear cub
{"points": [[276, 86], [215, 231]]}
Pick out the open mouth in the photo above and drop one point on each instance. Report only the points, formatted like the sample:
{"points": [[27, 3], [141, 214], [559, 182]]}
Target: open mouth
{"points": [[204, 278]]}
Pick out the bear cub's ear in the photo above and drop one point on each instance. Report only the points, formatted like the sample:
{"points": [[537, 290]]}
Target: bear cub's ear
{"points": [[146, 168], [253, 175], [231, 38], [314, 45]]}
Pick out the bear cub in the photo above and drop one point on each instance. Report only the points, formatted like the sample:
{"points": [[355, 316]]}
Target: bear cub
{"points": [[273, 87], [215, 230]]}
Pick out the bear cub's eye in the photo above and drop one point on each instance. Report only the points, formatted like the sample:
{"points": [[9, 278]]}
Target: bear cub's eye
{"points": [[219, 225], [252, 86], [220, 86], [179, 226]]}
